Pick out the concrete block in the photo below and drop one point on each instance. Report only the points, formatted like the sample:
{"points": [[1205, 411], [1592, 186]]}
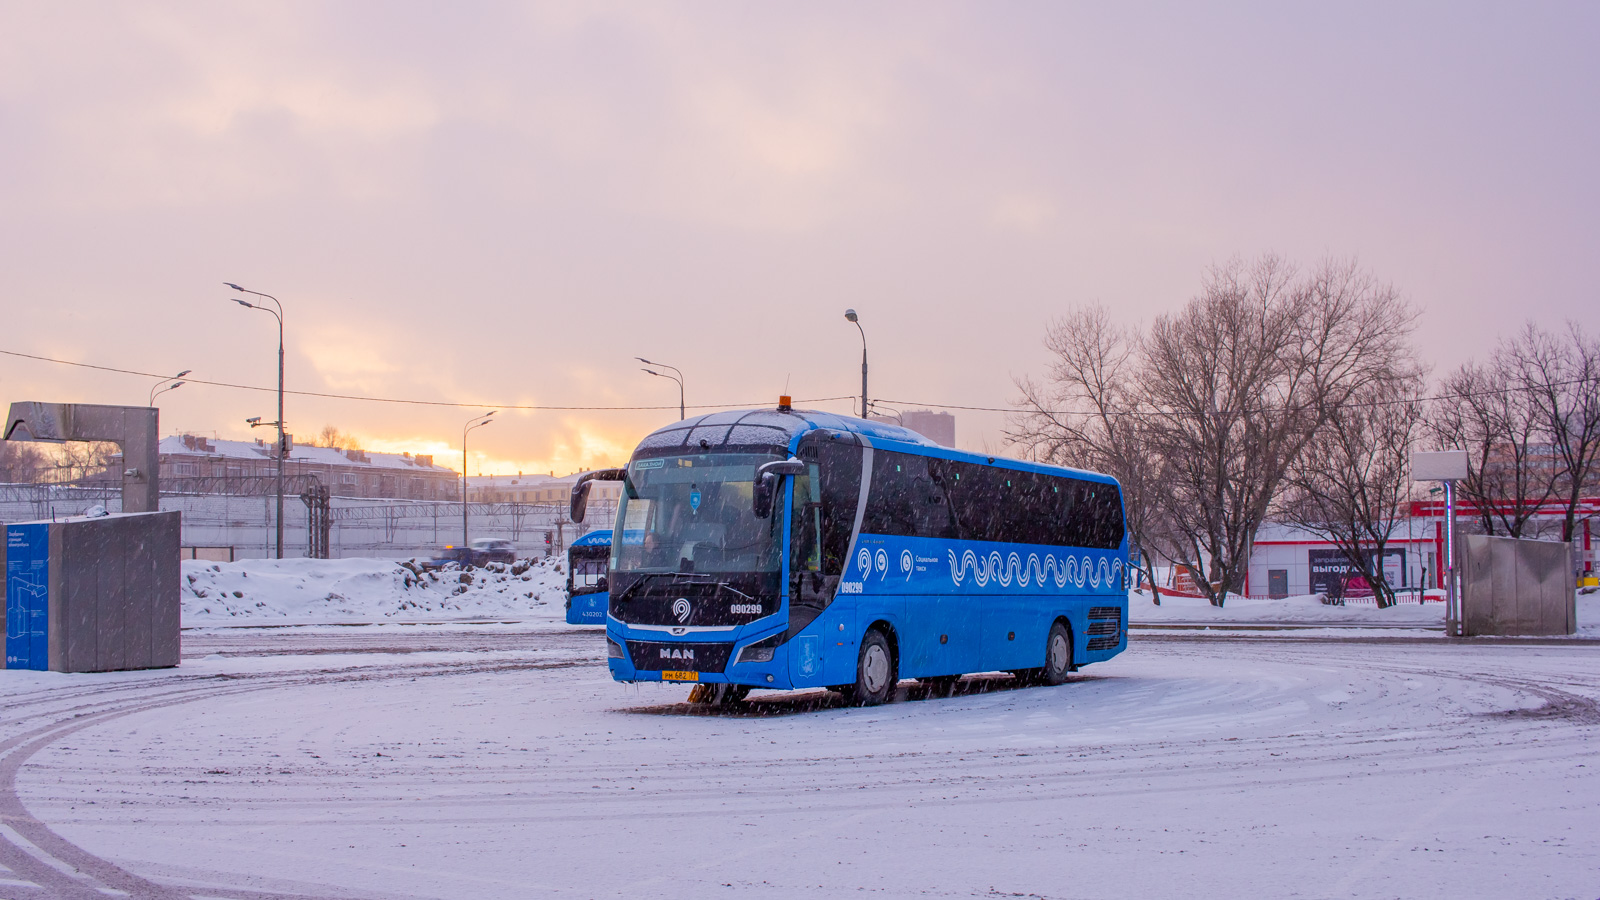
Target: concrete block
{"points": [[1512, 586], [110, 593]]}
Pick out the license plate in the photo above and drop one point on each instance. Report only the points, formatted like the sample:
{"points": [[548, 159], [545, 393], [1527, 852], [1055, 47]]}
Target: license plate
{"points": [[680, 676]]}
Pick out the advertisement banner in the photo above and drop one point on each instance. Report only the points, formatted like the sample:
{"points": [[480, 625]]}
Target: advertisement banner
{"points": [[27, 596], [1334, 575]]}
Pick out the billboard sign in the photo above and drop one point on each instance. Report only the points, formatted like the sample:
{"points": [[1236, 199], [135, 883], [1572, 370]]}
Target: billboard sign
{"points": [[1334, 575]]}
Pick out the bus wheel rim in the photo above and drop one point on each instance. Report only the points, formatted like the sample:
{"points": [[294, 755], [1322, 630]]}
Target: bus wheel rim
{"points": [[1058, 652], [875, 669]]}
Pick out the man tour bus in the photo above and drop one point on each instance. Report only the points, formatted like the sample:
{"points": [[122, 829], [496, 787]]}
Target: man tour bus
{"points": [[587, 561], [798, 549]]}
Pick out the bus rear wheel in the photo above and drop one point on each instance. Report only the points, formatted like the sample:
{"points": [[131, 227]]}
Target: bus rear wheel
{"points": [[875, 672], [1057, 656], [1057, 659]]}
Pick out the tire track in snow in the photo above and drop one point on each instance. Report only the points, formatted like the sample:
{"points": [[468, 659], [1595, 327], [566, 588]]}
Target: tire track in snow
{"points": [[848, 783], [52, 866]]}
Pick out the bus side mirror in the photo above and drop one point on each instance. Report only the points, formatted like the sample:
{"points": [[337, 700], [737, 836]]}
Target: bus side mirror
{"points": [[766, 484], [580, 490]]}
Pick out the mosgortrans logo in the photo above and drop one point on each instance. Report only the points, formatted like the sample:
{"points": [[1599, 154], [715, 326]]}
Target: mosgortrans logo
{"points": [[681, 609]]}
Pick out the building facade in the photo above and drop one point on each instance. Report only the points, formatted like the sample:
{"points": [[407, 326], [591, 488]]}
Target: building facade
{"points": [[521, 488], [208, 464]]}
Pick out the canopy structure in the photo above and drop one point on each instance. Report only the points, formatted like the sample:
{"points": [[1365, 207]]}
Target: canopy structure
{"points": [[134, 428]]}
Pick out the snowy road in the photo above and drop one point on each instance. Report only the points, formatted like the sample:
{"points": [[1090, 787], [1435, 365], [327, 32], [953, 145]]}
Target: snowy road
{"points": [[502, 762]]}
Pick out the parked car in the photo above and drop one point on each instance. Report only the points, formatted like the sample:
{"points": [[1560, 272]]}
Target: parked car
{"points": [[494, 550]]}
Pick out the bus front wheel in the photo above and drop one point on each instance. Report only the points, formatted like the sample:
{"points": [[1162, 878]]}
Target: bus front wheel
{"points": [[875, 672], [719, 694]]}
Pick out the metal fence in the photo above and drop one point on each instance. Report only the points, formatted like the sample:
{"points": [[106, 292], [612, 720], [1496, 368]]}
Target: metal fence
{"points": [[357, 526]]}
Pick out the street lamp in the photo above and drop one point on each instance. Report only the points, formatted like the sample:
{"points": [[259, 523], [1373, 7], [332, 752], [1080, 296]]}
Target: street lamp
{"points": [[474, 422], [282, 452], [850, 316], [163, 380], [154, 393], [678, 379]]}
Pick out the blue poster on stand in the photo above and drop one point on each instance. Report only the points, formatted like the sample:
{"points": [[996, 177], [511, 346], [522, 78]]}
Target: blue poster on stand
{"points": [[27, 596]]}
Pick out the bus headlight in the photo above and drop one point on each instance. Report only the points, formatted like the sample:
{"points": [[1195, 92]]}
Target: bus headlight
{"points": [[760, 651], [614, 650]]}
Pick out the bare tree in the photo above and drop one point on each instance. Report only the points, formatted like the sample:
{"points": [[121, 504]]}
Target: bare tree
{"points": [[20, 463], [331, 436], [1243, 378], [1227, 393], [78, 461], [1088, 415], [1484, 412], [1561, 376], [1350, 484]]}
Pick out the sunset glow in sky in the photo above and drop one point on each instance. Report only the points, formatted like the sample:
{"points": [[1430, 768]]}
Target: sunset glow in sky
{"points": [[504, 203]]}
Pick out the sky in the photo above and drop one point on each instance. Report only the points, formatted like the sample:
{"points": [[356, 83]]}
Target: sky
{"points": [[503, 204]]}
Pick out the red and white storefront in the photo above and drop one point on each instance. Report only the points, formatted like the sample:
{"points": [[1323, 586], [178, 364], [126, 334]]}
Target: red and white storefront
{"points": [[1289, 561]]}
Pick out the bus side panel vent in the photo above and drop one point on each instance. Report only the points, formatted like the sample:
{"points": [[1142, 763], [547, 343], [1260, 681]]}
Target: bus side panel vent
{"points": [[1105, 627]]}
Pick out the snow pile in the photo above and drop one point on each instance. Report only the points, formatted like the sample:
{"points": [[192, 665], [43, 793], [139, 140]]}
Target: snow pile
{"points": [[1290, 611], [290, 591]]}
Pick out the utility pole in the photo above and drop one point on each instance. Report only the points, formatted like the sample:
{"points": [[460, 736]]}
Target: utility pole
{"points": [[474, 422], [283, 449]]}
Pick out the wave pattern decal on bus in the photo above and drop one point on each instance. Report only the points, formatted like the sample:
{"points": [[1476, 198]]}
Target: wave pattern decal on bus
{"points": [[1003, 571], [920, 566]]}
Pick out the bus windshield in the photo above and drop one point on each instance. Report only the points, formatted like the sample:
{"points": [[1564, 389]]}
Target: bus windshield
{"points": [[692, 514]]}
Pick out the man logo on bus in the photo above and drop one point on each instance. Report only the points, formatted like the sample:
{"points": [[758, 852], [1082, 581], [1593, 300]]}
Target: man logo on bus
{"points": [[680, 608]]}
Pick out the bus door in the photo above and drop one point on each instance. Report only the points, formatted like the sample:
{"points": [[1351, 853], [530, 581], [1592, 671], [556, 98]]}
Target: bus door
{"points": [[823, 509]]}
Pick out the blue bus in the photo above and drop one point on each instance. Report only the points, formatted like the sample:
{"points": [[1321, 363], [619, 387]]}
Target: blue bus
{"points": [[796, 549], [587, 561]]}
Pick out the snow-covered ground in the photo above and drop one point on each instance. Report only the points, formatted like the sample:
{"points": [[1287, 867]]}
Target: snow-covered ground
{"points": [[302, 591], [503, 762], [1292, 610], [1311, 611]]}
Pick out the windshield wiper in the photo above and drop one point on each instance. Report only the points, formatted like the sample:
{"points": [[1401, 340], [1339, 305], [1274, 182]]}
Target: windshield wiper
{"points": [[726, 586], [646, 576]]}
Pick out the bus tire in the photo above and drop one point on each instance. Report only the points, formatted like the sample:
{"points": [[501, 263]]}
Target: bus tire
{"points": [[875, 672], [1057, 656], [719, 694]]}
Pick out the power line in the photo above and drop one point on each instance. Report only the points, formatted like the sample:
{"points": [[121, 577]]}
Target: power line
{"points": [[447, 403], [1166, 415], [904, 403]]}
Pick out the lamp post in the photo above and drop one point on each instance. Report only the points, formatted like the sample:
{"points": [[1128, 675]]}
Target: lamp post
{"points": [[850, 316], [474, 422], [1447, 466], [678, 379], [157, 388], [282, 451]]}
